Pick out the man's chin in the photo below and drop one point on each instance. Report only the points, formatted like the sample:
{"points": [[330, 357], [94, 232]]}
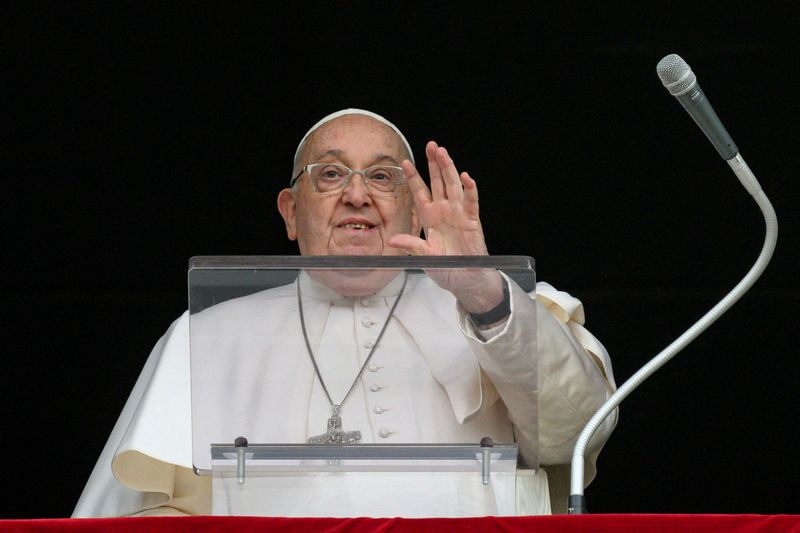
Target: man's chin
{"points": [[356, 281], [362, 250]]}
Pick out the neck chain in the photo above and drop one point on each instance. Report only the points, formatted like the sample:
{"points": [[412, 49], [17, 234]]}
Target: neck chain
{"points": [[335, 434]]}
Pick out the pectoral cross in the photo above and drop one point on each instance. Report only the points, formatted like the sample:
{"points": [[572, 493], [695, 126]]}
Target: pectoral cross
{"points": [[336, 436]]}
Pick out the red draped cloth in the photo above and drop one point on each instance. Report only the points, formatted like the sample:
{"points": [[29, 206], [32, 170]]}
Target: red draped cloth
{"points": [[616, 523]]}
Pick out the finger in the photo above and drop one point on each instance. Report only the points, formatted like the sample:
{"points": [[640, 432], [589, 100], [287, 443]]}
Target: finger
{"points": [[453, 187], [470, 195], [419, 191], [409, 243], [435, 173]]}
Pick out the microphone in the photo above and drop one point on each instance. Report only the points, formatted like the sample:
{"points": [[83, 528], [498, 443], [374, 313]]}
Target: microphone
{"points": [[681, 82], [679, 79]]}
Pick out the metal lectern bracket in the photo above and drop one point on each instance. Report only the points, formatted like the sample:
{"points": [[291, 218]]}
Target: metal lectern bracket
{"points": [[486, 465], [241, 447]]}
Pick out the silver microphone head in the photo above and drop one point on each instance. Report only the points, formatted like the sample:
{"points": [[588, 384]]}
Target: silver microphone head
{"points": [[676, 75]]}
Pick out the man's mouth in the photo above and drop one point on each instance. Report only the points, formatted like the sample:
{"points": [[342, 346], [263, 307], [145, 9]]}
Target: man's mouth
{"points": [[357, 226]]}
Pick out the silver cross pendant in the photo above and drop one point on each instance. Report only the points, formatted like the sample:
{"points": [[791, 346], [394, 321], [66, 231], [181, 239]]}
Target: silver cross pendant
{"points": [[336, 436]]}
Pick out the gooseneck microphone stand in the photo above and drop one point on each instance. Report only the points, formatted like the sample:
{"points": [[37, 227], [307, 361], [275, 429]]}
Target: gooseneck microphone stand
{"points": [[679, 79]]}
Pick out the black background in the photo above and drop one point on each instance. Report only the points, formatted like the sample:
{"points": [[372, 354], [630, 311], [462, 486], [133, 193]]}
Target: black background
{"points": [[139, 135]]}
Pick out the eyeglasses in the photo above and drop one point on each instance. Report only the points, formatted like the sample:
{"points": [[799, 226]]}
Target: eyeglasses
{"points": [[327, 177]]}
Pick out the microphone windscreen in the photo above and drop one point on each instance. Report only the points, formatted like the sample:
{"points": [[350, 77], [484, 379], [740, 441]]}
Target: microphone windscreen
{"points": [[675, 74]]}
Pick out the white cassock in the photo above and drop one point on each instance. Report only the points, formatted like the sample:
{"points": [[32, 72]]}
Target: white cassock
{"points": [[433, 378]]}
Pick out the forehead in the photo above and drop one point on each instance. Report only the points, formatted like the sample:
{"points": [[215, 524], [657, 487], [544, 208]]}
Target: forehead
{"points": [[355, 135]]}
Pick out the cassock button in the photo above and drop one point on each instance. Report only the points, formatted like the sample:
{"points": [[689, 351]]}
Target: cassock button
{"points": [[385, 433], [366, 302], [373, 367], [368, 345], [375, 388], [378, 410], [367, 322]]}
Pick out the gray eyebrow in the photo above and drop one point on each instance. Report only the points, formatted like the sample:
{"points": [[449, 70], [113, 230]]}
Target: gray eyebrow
{"points": [[339, 153]]}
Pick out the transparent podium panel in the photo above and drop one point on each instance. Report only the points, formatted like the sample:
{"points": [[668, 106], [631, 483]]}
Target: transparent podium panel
{"points": [[375, 366], [412, 481]]}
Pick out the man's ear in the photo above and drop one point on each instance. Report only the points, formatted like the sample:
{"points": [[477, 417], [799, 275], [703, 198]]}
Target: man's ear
{"points": [[287, 205]]}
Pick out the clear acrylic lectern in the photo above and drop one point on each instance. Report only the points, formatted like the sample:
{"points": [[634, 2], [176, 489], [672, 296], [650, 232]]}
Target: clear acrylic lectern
{"points": [[411, 415]]}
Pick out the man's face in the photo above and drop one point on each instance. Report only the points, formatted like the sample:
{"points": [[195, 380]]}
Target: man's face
{"points": [[352, 220]]}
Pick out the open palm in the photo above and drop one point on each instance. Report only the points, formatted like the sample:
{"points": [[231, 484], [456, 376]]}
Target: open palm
{"points": [[449, 216]]}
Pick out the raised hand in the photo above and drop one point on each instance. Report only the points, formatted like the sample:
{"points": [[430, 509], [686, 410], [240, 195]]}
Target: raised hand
{"points": [[448, 211], [449, 216]]}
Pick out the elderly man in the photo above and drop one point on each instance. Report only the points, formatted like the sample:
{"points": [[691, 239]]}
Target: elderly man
{"points": [[356, 191]]}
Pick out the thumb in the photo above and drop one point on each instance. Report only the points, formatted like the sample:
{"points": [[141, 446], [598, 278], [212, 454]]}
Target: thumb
{"points": [[409, 243]]}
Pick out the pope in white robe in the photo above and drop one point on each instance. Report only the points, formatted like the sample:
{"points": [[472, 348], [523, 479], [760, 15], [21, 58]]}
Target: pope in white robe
{"points": [[435, 376]]}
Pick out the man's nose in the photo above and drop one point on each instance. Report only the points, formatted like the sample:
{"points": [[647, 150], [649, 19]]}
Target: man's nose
{"points": [[356, 192]]}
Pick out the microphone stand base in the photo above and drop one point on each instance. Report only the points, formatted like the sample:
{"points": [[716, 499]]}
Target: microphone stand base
{"points": [[577, 504]]}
